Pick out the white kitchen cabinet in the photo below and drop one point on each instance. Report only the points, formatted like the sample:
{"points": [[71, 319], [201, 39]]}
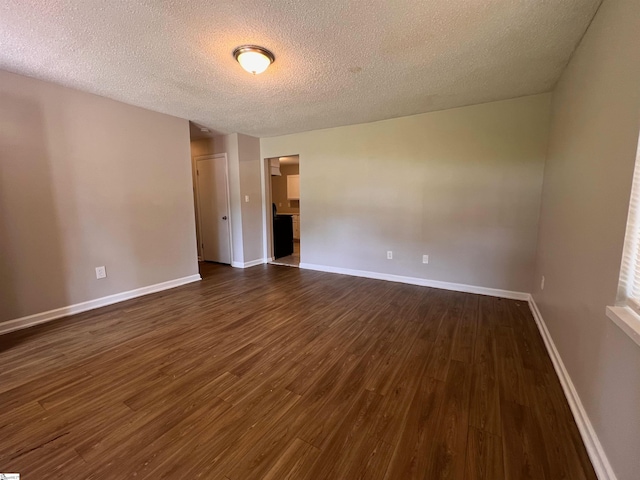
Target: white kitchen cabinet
{"points": [[293, 187]]}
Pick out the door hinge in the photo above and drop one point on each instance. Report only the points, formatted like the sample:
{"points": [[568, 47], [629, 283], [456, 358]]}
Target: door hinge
{"points": [[198, 172]]}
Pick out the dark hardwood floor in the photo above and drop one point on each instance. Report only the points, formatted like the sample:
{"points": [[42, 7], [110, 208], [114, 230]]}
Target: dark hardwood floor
{"points": [[280, 373]]}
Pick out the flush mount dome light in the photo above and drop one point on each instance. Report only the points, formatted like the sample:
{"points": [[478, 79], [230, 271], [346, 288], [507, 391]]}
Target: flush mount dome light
{"points": [[253, 59]]}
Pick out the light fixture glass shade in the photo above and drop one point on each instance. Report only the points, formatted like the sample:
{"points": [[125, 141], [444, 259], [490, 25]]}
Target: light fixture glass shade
{"points": [[253, 59]]}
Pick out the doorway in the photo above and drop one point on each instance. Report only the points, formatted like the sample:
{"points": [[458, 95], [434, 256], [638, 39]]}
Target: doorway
{"points": [[284, 186], [212, 193]]}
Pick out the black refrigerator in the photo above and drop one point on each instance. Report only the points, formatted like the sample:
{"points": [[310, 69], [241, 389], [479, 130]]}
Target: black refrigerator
{"points": [[282, 235]]}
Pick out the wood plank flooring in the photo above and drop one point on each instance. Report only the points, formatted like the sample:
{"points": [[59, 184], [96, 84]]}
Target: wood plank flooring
{"points": [[280, 373]]}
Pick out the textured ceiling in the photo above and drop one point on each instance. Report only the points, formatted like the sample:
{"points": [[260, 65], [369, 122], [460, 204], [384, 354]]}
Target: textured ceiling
{"points": [[338, 62]]}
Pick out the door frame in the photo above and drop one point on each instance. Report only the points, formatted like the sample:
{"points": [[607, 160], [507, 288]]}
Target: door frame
{"points": [[267, 200], [201, 158], [267, 217]]}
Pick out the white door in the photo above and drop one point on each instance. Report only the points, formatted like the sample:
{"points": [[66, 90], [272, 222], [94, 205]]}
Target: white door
{"points": [[213, 209]]}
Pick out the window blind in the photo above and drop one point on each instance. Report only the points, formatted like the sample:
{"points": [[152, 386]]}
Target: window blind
{"points": [[629, 287]]}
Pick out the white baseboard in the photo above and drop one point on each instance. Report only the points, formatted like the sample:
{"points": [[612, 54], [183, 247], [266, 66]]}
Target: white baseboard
{"points": [[43, 317], [458, 287], [596, 453], [252, 263]]}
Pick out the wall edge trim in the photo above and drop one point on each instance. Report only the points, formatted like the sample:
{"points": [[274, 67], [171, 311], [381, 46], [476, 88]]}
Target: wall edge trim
{"points": [[423, 282], [252, 263], [48, 316], [598, 457]]}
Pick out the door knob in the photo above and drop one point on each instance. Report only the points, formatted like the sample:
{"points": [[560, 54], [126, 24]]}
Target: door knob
{"points": [[224, 218]]}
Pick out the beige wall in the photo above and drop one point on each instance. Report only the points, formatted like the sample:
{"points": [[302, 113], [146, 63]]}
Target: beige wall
{"points": [[201, 146], [84, 182], [251, 187], [596, 111], [462, 186], [279, 190]]}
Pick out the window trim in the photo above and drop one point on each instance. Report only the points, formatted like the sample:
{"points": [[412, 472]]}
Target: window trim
{"points": [[628, 321]]}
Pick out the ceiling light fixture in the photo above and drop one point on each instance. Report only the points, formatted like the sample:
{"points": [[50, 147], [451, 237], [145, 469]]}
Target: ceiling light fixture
{"points": [[253, 59]]}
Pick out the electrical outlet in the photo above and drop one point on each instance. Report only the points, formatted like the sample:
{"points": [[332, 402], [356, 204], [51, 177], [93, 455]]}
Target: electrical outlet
{"points": [[425, 258], [246, 198], [542, 283], [101, 272], [389, 255]]}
